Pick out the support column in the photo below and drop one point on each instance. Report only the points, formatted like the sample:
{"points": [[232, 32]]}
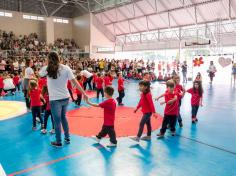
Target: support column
{"points": [[49, 30]]}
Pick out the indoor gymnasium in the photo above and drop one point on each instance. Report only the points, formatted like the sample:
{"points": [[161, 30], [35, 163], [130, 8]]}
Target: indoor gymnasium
{"points": [[117, 87]]}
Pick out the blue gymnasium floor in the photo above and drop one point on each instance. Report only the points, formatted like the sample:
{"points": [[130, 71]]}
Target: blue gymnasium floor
{"points": [[207, 148]]}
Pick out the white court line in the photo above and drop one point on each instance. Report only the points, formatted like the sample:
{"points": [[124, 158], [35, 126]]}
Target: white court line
{"points": [[17, 107], [2, 172]]}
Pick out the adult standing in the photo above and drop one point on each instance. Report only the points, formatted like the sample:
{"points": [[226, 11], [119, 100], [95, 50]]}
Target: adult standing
{"points": [[211, 71], [234, 72], [184, 71], [88, 76], [57, 77], [28, 74]]}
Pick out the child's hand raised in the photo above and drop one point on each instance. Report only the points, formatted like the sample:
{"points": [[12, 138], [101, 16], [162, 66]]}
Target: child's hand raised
{"points": [[135, 110]]}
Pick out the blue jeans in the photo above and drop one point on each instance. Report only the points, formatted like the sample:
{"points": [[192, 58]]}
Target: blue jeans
{"points": [[58, 109]]}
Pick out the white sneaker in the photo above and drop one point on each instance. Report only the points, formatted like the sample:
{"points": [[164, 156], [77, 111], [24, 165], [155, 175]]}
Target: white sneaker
{"points": [[37, 119], [43, 131], [96, 139], [146, 138], [52, 131], [136, 139], [112, 145]]}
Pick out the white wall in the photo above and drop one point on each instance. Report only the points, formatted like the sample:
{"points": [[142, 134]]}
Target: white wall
{"points": [[81, 30], [21, 26], [99, 40], [63, 31]]}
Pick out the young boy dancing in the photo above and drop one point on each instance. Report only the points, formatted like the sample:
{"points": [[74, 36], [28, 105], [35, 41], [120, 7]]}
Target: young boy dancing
{"points": [[109, 107]]}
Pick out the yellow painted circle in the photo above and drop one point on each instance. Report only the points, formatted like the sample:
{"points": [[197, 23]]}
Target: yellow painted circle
{"points": [[10, 109]]}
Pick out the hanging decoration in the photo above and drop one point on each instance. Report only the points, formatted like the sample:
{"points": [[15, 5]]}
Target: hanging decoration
{"points": [[198, 62], [224, 62]]}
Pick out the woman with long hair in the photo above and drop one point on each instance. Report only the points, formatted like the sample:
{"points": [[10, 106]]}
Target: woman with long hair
{"points": [[57, 77], [196, 99]]}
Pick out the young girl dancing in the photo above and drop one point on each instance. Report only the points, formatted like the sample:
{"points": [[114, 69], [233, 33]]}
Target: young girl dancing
{"points": [[148, 110], [196, 99]]}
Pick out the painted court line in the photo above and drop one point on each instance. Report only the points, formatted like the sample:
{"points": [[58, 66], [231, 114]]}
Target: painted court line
{"points": [[2, 172], [53, 161], [209, 145]]}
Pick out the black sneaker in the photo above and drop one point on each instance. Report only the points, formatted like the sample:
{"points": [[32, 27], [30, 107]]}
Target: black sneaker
{"points": [[55, 144], [180, 124], [67, 141]]}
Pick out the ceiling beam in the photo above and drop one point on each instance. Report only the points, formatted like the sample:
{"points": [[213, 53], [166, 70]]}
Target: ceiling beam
{"points": [[57, 9], [187, 10], [57, 3], [176, 27], [116, 5], [169, 10], [44, 8], [88, 5], [81, 5], [129, 22], [198, 11], [169, 13]]}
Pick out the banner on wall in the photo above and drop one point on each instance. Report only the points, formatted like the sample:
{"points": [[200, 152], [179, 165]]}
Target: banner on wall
{"points": [[224, 62]]}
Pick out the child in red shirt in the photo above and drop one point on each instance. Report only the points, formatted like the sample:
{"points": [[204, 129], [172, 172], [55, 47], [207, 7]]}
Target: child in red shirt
{"points": [[109, 107], [47, 112], [107, 80], [42, 82], [111, 78], [121, 89], [171, 109], [16, 81], [148, 110], [99, 85], [181, 91], [70, 89], [1, 84], [35, 102], [78, 93], [196, 99]]}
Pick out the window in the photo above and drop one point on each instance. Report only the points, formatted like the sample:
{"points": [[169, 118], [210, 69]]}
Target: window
{"points": [[6, 14], [28, 17], [33, 17], [60, 20], [40, 18], [65, 21]]}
